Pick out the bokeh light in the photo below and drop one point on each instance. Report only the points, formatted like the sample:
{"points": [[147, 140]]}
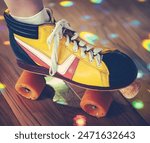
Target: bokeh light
{"points": [[89, 37], [135, 23], [79, 120], [86, 17], [140, 74], [146, 44], [138, 104], [104, 42], [6, 43], [2, 86], [148, 67], [141, 0], [1, 17], [66, 3], [96, 1], [113, 36]]}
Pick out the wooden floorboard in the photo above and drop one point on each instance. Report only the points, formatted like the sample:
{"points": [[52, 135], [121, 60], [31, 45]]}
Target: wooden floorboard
{"points": [[7, 117], [112, 16], [45, 112]]}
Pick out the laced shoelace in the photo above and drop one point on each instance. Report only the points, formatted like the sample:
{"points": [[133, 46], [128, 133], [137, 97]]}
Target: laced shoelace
{"points": [[58, 33]]}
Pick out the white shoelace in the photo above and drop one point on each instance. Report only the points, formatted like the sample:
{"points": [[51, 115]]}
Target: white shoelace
{"points": [[57, 34]]}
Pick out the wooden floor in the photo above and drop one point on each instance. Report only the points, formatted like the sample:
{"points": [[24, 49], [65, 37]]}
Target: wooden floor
{"points": [[121, 24]]}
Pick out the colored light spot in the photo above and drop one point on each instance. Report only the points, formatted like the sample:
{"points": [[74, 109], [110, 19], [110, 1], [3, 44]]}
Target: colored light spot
{"points": [[140, 74], [6, 43], [141, 0], [2, 86], [1, 17], [113, 36], [96, 1], [86, 17], [79, 120], [148, 67], [89, 37], [135, 23], [104, 42], [66, 3], [138, 104], [146, 44]]}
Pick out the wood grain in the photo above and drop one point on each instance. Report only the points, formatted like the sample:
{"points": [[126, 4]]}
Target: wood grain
{"points": [[6, 115]]}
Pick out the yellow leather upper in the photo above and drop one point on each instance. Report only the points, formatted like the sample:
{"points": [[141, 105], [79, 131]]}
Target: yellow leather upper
{"points": [[89, 71]]}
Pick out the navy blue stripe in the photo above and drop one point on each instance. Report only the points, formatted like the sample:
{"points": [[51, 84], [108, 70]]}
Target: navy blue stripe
{"points": [[22, 29], [19, 52]]}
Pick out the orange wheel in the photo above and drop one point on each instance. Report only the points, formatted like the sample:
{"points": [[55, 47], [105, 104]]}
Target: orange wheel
{"points": [[132, 90], [30, 85], [96, 103]]}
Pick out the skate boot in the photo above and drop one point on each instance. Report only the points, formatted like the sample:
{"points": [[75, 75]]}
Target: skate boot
{"points": [[55, 49]]}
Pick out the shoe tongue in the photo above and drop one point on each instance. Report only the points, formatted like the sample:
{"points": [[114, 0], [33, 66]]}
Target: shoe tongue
{"points": [[51, 18]]}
